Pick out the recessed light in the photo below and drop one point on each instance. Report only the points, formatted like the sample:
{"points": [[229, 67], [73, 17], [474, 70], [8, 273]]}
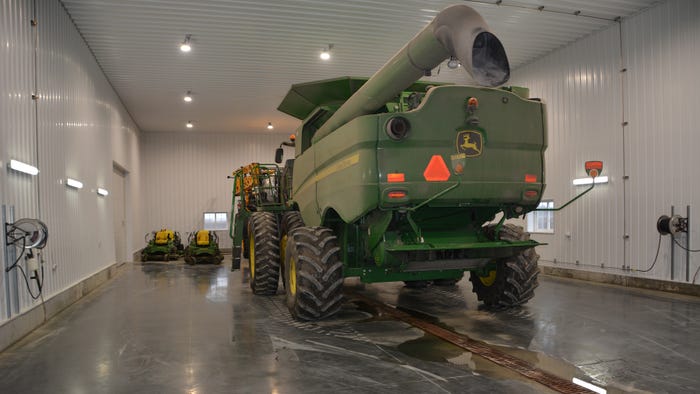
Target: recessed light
{"points": [[185, 46], [23, 167], [270, 126], [190, 125], [188, 97], [326, 52], [102, 192]]}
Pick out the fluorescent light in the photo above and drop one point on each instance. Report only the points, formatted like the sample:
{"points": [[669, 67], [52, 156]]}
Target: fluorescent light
{"points": [[190, 125], [589, 386], [588, 181], [188, 97], [74, 183], [23, 167], [102, 192], [270, 126]]}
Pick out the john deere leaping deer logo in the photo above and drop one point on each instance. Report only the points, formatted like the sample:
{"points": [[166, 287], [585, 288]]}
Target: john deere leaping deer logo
{"points": [[470, 143]]}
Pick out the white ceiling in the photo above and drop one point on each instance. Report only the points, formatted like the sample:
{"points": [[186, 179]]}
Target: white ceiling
{"points": [[246, 54]]}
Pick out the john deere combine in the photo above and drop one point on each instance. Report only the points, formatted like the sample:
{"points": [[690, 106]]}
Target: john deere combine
{"points": [[163, 245], [203, 248], [399, 180]]}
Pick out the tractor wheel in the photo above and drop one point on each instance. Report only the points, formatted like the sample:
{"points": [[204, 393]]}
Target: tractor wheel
{"points": [[314, 273], [514, 280], [290, 221], [264, 253], [416, 284], [447, 282]]}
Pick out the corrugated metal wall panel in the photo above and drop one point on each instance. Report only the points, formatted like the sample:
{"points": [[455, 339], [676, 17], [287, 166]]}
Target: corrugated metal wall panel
{"points": [[185, 175], [75, 130], [662, 49], [583, 88]]}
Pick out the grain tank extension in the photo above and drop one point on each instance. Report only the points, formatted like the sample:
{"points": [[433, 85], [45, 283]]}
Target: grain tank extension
{"points": [[400, 180]]}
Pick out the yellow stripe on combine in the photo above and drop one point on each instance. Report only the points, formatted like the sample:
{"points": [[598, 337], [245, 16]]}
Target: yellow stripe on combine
{"points": [[332, 169]]}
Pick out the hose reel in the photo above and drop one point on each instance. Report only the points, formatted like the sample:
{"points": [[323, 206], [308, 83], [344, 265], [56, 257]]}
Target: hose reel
{"points": [[672, 225]]}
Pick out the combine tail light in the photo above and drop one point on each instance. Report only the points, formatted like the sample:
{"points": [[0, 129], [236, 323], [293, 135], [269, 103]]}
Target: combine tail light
{"points": [[436, 170], [529, 178], [395, 177], [530, 194], [396, 194]]}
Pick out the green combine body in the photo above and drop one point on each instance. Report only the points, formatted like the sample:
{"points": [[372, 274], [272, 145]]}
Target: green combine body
{"points": [[203, 248], [399, 180]]}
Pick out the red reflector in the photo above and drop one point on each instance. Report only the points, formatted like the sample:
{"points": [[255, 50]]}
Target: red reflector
{"points": [[395, 177], [396, 194], [530, 193], [437, 170], [529, 178]]}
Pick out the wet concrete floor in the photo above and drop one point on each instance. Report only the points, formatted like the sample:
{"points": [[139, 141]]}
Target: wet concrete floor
{"points": [[174, 328]]}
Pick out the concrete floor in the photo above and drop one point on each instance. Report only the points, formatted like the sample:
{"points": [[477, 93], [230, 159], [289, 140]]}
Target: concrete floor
{"points": [[172, 328]]}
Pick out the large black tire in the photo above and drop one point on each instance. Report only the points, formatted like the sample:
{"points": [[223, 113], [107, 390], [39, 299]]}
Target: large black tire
{"points": [[264, 253], [514, 281], [290, 220], [314, 273]]}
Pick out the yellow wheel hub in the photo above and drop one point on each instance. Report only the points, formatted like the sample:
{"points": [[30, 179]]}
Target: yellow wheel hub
{"points": [[488, 280], [251, 254], [292, 276]]}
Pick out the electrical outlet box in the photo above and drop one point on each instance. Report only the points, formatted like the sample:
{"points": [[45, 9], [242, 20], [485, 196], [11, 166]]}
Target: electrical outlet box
{"points": [[33, 264]]}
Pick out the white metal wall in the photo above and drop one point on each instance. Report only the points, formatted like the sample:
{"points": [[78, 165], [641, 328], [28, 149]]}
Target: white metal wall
{"points": [[584, 89], [185, 175], [76, 128]]}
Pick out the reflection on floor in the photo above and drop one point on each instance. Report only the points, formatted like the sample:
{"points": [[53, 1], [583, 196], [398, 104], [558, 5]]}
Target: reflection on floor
{"points": [[173, 328]]}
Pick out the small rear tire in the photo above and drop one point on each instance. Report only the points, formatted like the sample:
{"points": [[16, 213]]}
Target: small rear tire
{"points": [[514, 280]]}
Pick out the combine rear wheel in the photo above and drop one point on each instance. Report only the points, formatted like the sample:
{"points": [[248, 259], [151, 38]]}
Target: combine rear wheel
{"points": [[264, 253], [514, 280], [313, 273]]}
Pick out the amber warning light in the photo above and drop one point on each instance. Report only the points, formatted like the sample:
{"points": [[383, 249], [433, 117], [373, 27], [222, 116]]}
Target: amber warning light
{"points": [[594, 168]]}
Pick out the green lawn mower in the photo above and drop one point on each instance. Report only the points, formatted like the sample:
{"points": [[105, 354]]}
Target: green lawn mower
{"points": [[164, 245], [203, 248]]}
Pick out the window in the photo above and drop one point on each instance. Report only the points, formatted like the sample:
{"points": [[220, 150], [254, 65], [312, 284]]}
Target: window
{"points": [[542, 221], [215, 221]]}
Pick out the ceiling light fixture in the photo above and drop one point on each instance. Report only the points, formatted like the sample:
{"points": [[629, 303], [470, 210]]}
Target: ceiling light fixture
{"points": [[188, 96], [102, 192], [453, 63], [270, 126], [23, 167], [74, 183], [326, 52], [190, 125], [185, 46]]}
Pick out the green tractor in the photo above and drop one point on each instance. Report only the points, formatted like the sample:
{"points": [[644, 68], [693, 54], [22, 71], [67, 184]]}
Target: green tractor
{"points": [[163, 245], [257, 190], [203, 248], [399, 180]]}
